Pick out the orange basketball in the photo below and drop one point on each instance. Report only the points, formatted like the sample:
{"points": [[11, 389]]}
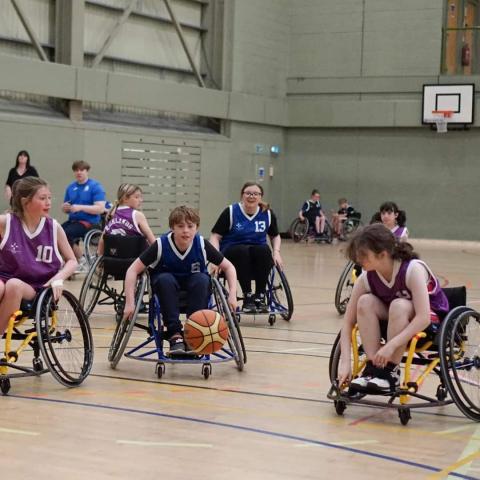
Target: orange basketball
{"points": [[205, 332]]}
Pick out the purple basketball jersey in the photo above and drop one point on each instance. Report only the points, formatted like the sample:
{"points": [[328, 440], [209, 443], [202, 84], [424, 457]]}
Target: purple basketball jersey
{"points": [[31, 257], [123, 223], [399, 289], [399, 232]]}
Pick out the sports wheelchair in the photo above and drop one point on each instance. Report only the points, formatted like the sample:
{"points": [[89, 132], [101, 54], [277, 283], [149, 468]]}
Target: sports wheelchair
{"points": [[90, 245], [301, 230], [452, 353], [279, 298], [57, 333], [103, 284], [151, 349], [351, 224]]}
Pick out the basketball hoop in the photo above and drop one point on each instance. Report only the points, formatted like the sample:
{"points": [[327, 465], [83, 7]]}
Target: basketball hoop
{"points": [[440, 117]]}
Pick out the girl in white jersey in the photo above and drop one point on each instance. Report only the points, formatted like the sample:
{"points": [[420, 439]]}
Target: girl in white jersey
{"points": [[34, 250]]}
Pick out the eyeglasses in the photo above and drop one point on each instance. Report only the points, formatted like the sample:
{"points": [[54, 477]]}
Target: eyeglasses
{"points": [[252, 194]]}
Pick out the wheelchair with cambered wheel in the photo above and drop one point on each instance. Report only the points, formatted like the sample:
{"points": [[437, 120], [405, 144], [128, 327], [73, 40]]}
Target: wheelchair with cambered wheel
{"points": [[451, 353], [152, 348], [54, 335]]}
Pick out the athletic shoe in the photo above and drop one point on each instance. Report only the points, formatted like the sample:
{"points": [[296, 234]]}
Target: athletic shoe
{"points": [[360, 384], [249, 303], [177, 345], [83, 266], [261, 303], [386, 381]]}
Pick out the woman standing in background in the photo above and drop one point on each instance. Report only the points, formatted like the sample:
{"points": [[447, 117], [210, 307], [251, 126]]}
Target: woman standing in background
{"points": [[21, 170]]}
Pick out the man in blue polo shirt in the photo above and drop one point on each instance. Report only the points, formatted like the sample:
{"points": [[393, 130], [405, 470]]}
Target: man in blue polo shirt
{"points": [[84, 202]]}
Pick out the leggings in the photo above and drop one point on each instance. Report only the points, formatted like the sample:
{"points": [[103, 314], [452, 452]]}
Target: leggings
{"points": [[252, 262]]}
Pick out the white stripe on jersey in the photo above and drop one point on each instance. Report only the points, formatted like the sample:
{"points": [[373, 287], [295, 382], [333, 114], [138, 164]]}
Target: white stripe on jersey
{"points": [[230, 208], [202, 245], [8, 217], [134, 218], [55, 227], [159, 253], [174, 248], [269, 218], [37, 230]]}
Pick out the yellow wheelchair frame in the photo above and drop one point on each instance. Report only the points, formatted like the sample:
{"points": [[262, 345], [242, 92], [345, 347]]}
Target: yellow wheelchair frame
{"points": [[58, 330], [449, 355]]}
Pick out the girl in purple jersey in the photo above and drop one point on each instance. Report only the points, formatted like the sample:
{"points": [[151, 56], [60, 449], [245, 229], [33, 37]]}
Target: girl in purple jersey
{"points": [[124, 218], [395, 288], [393, 218], [34, 250]]}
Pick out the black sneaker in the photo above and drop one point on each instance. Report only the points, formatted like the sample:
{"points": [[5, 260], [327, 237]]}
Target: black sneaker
{"points": [[387, 379], [177, 345], [261, 303], [249, 303]]}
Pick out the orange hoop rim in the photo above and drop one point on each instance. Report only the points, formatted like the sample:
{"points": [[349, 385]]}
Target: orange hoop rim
{"points": [[445, 113]]}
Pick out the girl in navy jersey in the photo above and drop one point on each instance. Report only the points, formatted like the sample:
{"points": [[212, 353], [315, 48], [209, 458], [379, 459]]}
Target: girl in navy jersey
{"points": [[178, 261], [393, 218], [395, 289], [241, 235], [34, 250], [124, 218]]}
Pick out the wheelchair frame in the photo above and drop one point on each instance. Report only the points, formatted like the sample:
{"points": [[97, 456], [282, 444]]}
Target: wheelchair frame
{"points": [[53, 326], [277, 286], [151, 350], [446, 355], [90, 245], [343, 292], [299, 231]]}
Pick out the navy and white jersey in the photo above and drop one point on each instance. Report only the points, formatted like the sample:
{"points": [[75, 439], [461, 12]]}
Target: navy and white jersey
{"points": [[246, 229], [311, 206], [168, 259], [123, 222], [31, 257]]}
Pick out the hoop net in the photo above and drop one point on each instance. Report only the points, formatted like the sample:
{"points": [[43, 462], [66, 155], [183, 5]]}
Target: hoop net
{"points": [[440, 118]]}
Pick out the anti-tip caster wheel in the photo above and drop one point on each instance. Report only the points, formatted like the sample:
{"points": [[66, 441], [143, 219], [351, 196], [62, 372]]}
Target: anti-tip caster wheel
{"points": [[404, 415], [5, 385], [340, 406], [206, 370], [160, 369], [441, 393], [271, 319], [37, 364]]}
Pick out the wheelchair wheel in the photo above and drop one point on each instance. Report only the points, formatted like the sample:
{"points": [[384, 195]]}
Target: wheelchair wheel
{"points": [[279, 295], [235, 338], [460, 359], [90, 243], [350, 225], [124, 327], [92, 286], [328, 232], [344, 288], [64, 337], [299, 230]]}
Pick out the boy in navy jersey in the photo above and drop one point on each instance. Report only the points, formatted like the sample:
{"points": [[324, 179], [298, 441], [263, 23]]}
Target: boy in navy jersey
{"points": [[312, 211], [178, 261]]}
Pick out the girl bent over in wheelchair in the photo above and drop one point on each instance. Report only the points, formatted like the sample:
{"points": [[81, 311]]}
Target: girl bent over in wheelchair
{"points": [[396, 293]]}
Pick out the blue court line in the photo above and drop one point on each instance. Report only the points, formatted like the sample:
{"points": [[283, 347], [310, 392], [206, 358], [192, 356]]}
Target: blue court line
{"points": [[259, 431]]}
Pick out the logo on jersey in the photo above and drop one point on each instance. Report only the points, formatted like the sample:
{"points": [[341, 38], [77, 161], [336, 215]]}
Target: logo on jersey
{"points": [[14, 248], [403, 294], [238, 226], [195, 267]]}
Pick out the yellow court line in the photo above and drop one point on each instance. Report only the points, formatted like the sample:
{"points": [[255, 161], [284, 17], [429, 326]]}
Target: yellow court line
{"points": [[455, 430], [454, 466]]}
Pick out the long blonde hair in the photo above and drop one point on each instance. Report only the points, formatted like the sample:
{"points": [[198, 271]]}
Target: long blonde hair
{"points": [[26, 188], [125, 190]]}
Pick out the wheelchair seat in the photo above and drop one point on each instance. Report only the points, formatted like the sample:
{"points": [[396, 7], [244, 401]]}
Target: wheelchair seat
{"points": [[120, 252]]}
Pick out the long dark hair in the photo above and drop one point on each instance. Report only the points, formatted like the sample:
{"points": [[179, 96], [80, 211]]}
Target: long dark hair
{"points": [[378, 238], [390, 207], [26, 154], [264, 206]]}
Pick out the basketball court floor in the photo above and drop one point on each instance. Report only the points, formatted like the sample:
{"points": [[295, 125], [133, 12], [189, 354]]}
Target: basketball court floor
{"points": [[271, 421]]}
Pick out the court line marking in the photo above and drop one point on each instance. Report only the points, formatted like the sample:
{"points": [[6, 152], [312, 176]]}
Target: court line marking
{"points": [[19, 432], [352, 442], [449, 470], [259, 394], [285, 436], [455, 430], [164, 444]]}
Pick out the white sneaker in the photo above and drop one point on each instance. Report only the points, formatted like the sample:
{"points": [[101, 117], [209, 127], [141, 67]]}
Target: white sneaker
{"points": [[82, 266], [387, 381], [360, 383]]}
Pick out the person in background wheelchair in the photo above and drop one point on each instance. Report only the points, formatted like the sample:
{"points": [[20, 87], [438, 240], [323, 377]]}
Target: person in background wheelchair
{"points": [[345, 212], [34, 250], [124, 218], [240, 233], [178, 262], [312, 211], [396, 289]]}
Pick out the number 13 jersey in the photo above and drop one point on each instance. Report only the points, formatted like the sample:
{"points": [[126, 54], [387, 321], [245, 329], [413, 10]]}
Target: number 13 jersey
{"points": [[246, 229], [31, 257]]}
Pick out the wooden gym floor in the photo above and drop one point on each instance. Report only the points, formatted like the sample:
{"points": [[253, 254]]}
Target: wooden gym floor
{"points": [[272, 421]]}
